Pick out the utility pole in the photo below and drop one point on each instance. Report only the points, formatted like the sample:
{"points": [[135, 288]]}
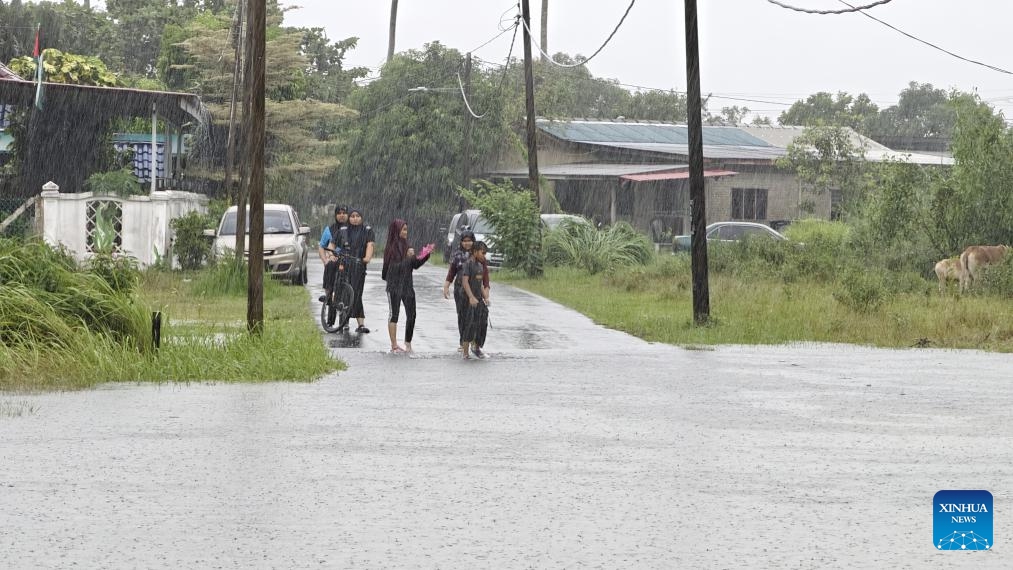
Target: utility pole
{"points": [[698, 210], [230, 152], [467, 131], [244, 163], [257, 55], [545, 28], [393, 28], [529, 104]]}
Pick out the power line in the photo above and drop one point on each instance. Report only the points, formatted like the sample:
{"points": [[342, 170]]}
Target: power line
{"points": [[825, 12], [607, 40], [931, 45], [464, 96]]}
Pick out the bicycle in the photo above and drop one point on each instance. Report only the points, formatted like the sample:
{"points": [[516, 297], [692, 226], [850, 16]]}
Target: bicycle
{"points": [[339, 296]]}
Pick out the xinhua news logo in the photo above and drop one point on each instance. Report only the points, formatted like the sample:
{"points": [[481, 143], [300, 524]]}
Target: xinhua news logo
{"points": [[962, 520]]}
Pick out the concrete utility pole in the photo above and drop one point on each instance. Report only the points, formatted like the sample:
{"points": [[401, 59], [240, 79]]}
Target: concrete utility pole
{"points": [[230, 152], [529, 104], [698, 213], [393, 28], [243, 192], [255, 281], [545, 28], [467, 131]]}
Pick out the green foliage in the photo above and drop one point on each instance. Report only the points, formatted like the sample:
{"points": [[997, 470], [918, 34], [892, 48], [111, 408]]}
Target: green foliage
{"points": [[121, 183], [861, 291], [997, 280], [190, 246], [60, 67], [49, 303], [405, 151], [614, 248], [826, 158], [512, 211], [120, 272], [825, 109], [223, 278]]}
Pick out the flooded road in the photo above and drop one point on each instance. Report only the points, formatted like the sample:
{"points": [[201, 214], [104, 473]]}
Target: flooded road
{"points": [[573, 446]]}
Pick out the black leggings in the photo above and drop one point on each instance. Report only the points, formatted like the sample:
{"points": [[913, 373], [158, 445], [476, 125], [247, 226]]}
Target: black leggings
{"points": [[395, 300], [357, 277]]}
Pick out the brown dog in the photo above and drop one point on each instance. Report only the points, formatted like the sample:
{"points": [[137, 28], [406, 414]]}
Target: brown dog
{"points": [[975, 257]]}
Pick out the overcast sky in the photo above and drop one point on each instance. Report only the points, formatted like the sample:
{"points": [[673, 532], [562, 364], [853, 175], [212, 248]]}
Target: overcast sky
{"points": [[749, 48]]}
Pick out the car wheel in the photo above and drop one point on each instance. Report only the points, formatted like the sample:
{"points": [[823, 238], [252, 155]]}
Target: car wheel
{"points": [[305, 274]]}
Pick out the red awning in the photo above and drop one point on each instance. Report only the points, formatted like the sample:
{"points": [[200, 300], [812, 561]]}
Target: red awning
{"points": [[675, 175]]}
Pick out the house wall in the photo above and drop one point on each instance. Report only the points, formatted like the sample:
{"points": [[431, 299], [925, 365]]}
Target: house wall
{"points": [[145, 230], [783, 195]]}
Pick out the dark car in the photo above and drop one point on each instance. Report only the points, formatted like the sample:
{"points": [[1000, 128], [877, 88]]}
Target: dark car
{"points": [[729, 232]]}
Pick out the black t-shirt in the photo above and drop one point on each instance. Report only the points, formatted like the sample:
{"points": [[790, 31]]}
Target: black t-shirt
{"points": [[358, 237], [473, 270]]}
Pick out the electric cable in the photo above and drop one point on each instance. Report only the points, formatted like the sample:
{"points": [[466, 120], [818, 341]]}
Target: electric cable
{"points": [[607, 40], [826, 12], [931, 45]]}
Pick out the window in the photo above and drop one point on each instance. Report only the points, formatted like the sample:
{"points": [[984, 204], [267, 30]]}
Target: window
{"points": [[104, 227], [749, 204]]}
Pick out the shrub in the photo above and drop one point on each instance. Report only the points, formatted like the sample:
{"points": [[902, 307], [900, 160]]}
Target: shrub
{"points": [[860, 291], [224, 277], [121, 183], [512, 211], [120, 272], [584, 246], [998, 279], [190, 246]]}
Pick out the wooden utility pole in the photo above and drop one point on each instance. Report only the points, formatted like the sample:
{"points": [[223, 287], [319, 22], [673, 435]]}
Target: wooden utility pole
{"points": [[230, 152], [393, 28], [545, 28], [257, 55], [529, 104], [698, 213]]}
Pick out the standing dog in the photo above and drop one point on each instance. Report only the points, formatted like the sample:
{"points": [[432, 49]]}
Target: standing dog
{"points": [[975, 257]]}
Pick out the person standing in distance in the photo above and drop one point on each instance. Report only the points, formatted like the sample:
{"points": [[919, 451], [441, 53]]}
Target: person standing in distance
{"points": [[360, 246]]}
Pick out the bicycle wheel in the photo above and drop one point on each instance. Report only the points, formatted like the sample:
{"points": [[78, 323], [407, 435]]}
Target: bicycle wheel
{"points": [[329, 311], [344, 297]]}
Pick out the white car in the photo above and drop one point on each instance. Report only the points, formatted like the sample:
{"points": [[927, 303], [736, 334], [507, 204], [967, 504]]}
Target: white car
{"points": [[285, 248]]}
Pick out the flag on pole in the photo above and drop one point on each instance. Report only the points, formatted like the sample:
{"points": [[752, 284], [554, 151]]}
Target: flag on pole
{"points": [[40, 72]]}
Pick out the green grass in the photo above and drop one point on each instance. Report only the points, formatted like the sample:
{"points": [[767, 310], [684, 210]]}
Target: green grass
{"points": [[656, 305], [203, 339]]}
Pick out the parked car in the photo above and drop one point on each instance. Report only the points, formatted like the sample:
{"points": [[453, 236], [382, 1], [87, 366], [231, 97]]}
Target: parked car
{"points": [[485, 231], [729, 232], [285, 248]]}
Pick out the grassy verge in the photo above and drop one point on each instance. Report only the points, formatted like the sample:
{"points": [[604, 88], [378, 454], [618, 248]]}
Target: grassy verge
{"points": [[656, 304], [203, 339]]}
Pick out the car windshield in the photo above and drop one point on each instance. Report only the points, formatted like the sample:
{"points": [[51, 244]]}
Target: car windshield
{"points": [[275, 222], [482, 226]]}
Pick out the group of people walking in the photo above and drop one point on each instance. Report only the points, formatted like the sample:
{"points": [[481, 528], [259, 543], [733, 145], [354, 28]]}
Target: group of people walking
{"points": [[468, 274]]}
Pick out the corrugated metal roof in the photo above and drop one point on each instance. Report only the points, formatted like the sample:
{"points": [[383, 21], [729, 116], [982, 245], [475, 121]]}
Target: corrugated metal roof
{"points": [[709, 151], [588, 170], [679, 175], [619, 132]]}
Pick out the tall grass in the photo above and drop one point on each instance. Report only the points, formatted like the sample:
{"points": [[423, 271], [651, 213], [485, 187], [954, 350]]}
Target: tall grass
{"points": [[582, 245], [68, 327]]}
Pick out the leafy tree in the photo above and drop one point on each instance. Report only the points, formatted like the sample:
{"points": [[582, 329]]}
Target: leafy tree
{"points": [[730, 116], [67, 25], [327, 80], [512, 211], [405, 152], [923, 116], [826, 158], [825, 109], [63, 67]]}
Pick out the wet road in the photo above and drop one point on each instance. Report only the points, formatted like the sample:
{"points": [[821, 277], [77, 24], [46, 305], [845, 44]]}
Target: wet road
{"points": [[573, 446]]}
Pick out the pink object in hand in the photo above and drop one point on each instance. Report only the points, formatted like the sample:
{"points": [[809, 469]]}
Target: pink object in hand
{"points": [[427, 249]]}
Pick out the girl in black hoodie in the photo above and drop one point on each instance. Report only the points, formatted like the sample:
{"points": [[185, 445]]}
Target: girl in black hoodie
{"points": [[399, 261]]}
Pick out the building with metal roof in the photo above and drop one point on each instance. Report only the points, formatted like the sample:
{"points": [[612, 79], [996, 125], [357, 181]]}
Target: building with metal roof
{"points": [[635, 171]]}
